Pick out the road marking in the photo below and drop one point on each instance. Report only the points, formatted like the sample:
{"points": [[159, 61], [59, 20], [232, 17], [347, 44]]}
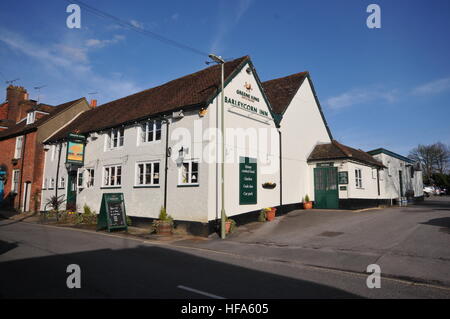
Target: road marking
{"points": [[200, 292]]}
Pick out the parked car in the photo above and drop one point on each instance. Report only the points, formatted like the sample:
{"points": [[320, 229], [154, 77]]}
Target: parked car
{"points": [[428, 191]]}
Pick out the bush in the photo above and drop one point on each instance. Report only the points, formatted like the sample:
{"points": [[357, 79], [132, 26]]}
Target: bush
{"points": [[307, 198], [89, 216], [129, 222]]}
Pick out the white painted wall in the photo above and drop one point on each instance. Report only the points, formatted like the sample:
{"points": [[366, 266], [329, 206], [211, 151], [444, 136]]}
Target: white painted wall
{"points": [[302, 129], [391, 182], [50, 170]]}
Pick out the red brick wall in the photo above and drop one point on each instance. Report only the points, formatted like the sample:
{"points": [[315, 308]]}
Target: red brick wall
{"points": [[3, 111], [31, 165]]}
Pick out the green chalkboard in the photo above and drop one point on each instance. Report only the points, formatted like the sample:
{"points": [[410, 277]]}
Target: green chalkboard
{"points": [[247, 181], [343, 177], [112, 212]]}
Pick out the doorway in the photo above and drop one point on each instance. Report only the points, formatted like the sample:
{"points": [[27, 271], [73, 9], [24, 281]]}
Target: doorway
{"points": [[26, 197], [326, 193], [71, 203]]}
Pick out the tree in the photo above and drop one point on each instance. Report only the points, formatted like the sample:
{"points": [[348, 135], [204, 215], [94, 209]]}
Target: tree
{"points": [[434, 158]]}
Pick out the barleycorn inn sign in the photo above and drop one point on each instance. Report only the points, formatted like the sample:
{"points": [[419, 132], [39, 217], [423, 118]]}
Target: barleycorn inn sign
{"points": [[249, 97], [75, 149]]}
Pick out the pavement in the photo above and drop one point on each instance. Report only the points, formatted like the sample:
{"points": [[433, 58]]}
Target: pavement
{"points": [[410, 243], [305, 254]]}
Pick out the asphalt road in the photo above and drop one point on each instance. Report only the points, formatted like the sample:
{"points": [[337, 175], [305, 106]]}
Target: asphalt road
{"points": [[34, 259]]}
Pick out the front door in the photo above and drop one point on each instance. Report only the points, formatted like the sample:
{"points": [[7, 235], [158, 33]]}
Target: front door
{"points": [[26, 196], [72, 191], [326, 194]]}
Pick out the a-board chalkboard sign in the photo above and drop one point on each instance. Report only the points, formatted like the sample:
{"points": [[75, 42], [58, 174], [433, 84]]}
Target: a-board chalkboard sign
{"points": [[112, 212]]}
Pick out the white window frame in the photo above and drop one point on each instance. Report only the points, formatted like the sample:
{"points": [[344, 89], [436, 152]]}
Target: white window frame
{"points": [[111, 180], [138, 174], [189, 177], [15, 180], [62, 182], [19, 147], [90, 178], [52, 183], [150, 127], [358, 178], [80, 181], [115, 134], [31, 117]]}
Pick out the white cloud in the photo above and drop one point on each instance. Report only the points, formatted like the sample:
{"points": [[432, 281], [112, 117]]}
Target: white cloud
{"points": [[96, 43], [137, 24], [434, 87], [67, 63], [175, 16], [361, 96]]}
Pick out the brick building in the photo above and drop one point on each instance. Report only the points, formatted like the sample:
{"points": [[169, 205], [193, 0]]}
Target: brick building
{"points": [[24, 125]]}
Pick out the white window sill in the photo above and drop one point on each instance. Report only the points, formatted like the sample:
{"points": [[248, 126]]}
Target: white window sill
{"points": [[188, 185]]}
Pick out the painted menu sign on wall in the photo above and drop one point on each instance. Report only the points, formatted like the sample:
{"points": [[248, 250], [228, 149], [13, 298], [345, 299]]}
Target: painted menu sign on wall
{"points": [[247, 181]]}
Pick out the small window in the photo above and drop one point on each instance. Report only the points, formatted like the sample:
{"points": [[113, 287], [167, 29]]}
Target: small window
{"points": [[147, 173], [116, 138], [44, 184], [15, 181], [52, 183], [18, 149], [189, 173], [90, 177], [31, 116], [80, 179], [151, 131], [358, 178], [62, 182], [112, 176]]}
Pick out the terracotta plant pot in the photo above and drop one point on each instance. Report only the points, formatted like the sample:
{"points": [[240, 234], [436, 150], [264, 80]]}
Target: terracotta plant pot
{"points": [[270, 215], [307, 205], [164, 228], [227, 226]]}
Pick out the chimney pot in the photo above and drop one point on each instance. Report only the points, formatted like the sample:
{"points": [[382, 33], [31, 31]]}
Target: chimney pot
{"points": [[93, 103]]}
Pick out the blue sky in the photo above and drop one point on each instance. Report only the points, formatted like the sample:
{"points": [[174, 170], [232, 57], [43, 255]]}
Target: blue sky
{"points": [[387, 87]]}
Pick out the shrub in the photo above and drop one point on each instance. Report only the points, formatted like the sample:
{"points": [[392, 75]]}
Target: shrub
{"points": [[306, 198], [129, 222], [89, 216]]}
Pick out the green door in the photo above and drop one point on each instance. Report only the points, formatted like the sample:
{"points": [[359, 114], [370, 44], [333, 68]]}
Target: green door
{"points": [[72, 191], [326, 188]]}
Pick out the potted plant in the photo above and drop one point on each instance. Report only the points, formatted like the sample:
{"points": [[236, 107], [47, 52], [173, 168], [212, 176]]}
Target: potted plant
{"points": [[230, 224], [307, 204], [164, 224]]}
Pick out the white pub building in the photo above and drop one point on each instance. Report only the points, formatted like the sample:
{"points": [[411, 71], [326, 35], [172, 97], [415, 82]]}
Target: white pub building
{"points": [[162, 148]]}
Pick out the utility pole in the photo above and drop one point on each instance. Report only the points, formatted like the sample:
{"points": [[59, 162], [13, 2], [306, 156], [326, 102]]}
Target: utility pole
{"points": [[221, 61]]}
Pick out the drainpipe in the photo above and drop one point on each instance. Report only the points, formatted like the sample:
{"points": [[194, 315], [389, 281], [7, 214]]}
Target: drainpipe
{"points": [[21, 168], [57, 175], [281, 173], [166, 168]]}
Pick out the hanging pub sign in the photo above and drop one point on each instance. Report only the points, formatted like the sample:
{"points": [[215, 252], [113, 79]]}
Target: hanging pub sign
{"points": [[75, 149], [343, 177], [112, 214], [247, 181]]}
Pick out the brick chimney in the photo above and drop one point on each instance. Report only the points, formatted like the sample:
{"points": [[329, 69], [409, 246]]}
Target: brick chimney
{"points": [[14, 96], [93, 103]]}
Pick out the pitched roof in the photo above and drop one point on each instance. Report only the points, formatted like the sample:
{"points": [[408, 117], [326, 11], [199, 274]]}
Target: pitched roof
{"points": [[22, 127], [336, 150], [281, 91], [190, 90]]}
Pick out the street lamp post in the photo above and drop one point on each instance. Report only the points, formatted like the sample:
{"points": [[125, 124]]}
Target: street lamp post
{"points": [[221, 61]]}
